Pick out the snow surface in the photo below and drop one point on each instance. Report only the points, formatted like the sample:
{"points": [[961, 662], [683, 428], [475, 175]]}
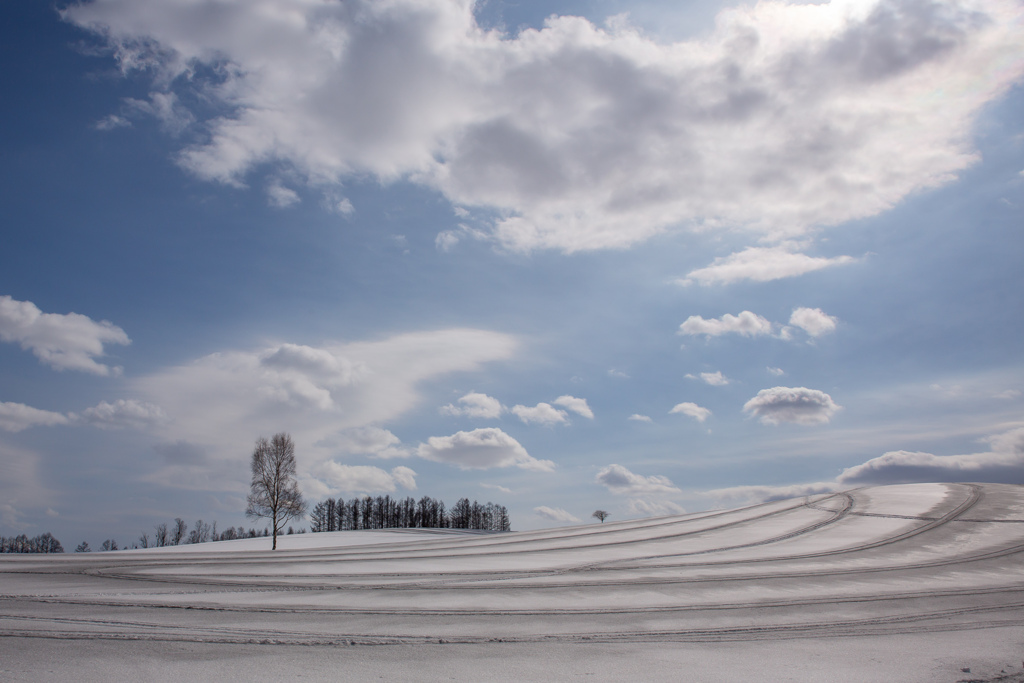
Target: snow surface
{"points": [[898, 583]]}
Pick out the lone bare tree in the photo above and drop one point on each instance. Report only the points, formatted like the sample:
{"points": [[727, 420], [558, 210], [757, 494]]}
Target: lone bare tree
{"points": [[600, 514], [274, 493]]}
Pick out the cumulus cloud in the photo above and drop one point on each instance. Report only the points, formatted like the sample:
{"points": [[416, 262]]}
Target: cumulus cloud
{"points": [[123, 413], [329, 398], [637, 417], [813, 321], [365, 478], [1003, 462], [798, 405], [68, 341], [14, 417], [580, 137], [760, 264], [777, 372], [654, 508], [746, 323], [575, 405], [620, 480], [715, 379], [555, 514], [542, 413], [497, 487], [695, 411], [481, 449], [478, 405]]}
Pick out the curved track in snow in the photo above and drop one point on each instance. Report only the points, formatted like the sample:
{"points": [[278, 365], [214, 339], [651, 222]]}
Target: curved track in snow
{"points": [[916, 559]]}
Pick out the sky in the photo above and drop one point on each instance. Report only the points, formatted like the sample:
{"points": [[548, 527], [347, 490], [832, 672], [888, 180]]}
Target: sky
{"points": [[646, 257]]}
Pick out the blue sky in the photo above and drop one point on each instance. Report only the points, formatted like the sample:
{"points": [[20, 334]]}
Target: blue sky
{"points": [[638, 256]]}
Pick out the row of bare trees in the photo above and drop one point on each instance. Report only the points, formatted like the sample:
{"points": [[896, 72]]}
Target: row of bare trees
{"points": [[385, 512], [44, 543]]}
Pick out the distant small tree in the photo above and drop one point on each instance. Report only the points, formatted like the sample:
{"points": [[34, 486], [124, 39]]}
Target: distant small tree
{"points": [[108, 545], [274, 493], [144, 540], [160, 537], [83, 547], [600, 515]]}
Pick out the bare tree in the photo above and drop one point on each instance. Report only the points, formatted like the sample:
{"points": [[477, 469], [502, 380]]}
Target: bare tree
{"points": [[179, 531], [274, 493], [161, 535], [600, 514]]}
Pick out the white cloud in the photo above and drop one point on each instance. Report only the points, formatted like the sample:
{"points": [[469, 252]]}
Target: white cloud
{"points": [[364, 478], [280, 196], [760, 264], [542, 413], [335, 203], [166, 108], [63, 341], [555, 514], [637, 417], [760, 493], [404, 477], [813, 321], [23, 493], [124, 413], [715, 379], [746, 323], [111, 122], [620, 480], [619, 374], [777, 372], [693, 410], [481, 449], [781, 118], [497, 487], [798, 405], [446, 240], [366, 440], [1003, 463], [1008, 394], [654, 508], [14, 417], [478, 405], [575, 405], [316, 394]]}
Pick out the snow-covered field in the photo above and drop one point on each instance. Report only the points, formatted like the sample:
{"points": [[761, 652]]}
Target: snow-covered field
{"points": [[900, 583]]}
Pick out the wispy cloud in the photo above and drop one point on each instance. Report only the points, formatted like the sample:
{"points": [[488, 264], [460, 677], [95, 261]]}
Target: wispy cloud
{"points": [[760, 264], [15, 417], [555, 514]]}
